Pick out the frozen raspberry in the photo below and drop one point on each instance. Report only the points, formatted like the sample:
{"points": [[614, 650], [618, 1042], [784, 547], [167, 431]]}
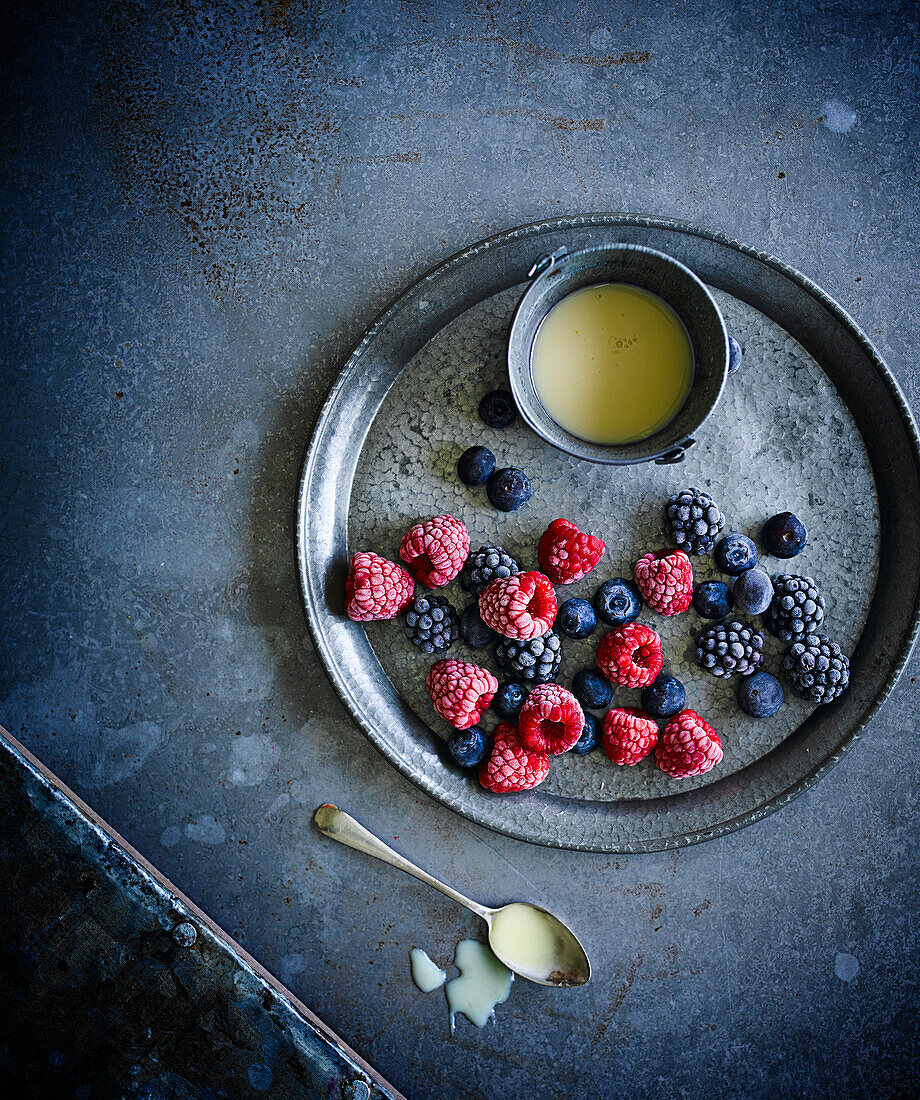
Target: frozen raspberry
{"points": [[665, 580], [551, 720], [521, 607], [460, 691], [630, 655], [688, 746], [511, 767], [629, 735], [376, 588], [565, 554], [436, 550]]}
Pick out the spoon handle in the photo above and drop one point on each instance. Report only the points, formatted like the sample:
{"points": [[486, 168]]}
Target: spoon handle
{"points": [[340, 826]]}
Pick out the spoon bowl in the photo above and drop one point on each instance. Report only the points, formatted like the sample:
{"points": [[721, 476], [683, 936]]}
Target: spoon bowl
{"points": [[527, 938], [534, 943]]}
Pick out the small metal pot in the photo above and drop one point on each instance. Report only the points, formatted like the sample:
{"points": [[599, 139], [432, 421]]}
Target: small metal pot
{"points": [[559, 274]]}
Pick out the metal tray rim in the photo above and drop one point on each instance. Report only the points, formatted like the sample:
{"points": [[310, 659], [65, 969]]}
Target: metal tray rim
{"points": [[609, 220]]}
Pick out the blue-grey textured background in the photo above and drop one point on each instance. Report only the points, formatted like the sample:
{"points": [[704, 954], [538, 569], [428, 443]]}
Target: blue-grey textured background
{"points": [[203, 206]]}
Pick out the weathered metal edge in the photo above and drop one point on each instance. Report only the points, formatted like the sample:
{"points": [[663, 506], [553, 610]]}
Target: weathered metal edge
{"points": [[177, 902], [612, 218]]}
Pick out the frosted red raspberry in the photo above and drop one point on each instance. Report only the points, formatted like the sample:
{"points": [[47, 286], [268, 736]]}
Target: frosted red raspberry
{"points": [[521, 607], [436, 550], [376, 588], [551, 720], [460, 691], [688, 746], [665, 580], [511, 766], [565, 554], [630, 655], [629, 735]]}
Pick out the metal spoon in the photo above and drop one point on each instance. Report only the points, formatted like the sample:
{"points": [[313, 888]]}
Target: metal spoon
{"points": [[569, 965]]}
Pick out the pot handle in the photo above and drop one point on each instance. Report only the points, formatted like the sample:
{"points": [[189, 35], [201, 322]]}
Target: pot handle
{"points": [[676, 454], [545, 261]]}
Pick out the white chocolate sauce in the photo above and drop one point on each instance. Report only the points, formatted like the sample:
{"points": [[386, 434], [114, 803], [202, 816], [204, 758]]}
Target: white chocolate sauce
{"points": [[524, 936], [484, 982], [612, 363], [426, 975]]}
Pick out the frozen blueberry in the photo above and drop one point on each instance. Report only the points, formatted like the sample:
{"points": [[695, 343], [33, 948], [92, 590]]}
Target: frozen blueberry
{"points": [[753, 592], [497, 409], [760, 695], [576, 619], [508, 700], [734, 554], [784, 535], [663, 697], [712, 599], [734, 355], [617, 601], [590, 736], [467, 747], [591, 689], [474, 631], [476, 465], [508, 489]]}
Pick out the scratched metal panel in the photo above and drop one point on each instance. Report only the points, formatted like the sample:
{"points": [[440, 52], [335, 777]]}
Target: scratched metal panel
{"points": [[112, 980]]}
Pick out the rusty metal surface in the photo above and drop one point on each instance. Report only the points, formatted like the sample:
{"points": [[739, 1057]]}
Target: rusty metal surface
{"points": [[203, 206]]}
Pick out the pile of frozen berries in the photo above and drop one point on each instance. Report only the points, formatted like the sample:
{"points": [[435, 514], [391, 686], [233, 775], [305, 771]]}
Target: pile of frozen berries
{"points": [[515, 611]]}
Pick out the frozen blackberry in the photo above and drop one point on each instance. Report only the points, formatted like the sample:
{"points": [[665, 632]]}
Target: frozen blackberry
{"points": [[797, 608], [693, 521], [484, 566], [730, 649], [817, 668], [534, 662], [432, 624]]}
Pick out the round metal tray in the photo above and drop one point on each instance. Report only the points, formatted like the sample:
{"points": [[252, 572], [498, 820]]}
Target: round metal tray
{"points": [[814, 421]]}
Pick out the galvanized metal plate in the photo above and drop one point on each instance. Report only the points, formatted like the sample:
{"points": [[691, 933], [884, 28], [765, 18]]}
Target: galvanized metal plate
{"points": [[813, 420]]}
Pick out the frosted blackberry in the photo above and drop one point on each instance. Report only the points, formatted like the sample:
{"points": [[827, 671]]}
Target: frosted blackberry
{"points": [[797, 608], [484, 566], [693, 521], [730, 649], [817, 668], [533, 662], [432, 624]]}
